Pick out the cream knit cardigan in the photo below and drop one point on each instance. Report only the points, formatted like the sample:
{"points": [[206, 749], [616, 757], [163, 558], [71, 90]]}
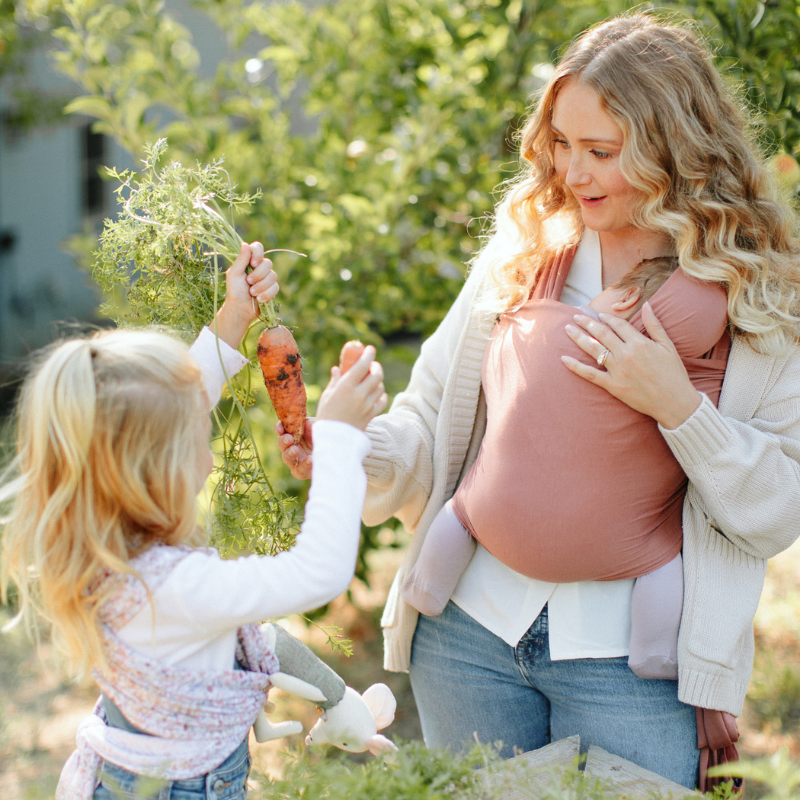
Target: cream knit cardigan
{"points": [[742, 504]]}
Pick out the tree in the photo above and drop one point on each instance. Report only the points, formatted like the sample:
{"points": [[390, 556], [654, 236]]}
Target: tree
{"points": [[377, 130]]}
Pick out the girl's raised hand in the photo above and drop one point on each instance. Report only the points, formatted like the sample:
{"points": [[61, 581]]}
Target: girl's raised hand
{"points": [[244, 291], [356, 396]]}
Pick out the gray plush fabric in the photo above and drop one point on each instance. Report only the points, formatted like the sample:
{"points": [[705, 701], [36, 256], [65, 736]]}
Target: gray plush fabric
{"points": [[298, 660]]}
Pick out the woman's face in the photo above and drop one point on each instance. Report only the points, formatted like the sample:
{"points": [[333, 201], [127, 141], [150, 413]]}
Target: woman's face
{"points": [[587, 144]]}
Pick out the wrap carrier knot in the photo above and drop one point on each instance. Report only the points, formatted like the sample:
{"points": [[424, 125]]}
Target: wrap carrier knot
{"points": [[195, 718]]}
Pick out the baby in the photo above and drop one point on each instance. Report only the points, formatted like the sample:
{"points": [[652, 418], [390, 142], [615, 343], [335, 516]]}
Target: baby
{"points": [[632, 291], [584, 501]]}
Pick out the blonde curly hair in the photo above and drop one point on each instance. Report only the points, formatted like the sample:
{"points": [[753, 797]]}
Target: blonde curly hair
{"points": [[689, 149], [106, 465]]}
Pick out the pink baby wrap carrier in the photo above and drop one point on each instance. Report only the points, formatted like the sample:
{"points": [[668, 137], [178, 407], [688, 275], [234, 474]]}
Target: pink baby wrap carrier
{"points": [[196, 718], [570, 483]]}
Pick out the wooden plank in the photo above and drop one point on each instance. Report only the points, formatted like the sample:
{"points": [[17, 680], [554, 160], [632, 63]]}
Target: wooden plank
{"points": [[531, 775], [630, 778]]}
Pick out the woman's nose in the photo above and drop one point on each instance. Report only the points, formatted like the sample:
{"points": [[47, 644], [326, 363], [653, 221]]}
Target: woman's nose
{"points": [[577, 174]]}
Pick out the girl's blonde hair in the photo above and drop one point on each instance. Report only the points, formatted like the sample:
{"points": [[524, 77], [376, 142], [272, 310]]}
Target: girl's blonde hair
{"points": [[106, 465], [689, 150]]}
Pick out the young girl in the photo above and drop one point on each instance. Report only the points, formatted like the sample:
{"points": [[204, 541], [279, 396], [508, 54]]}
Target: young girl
{"points": [[112, 449]]}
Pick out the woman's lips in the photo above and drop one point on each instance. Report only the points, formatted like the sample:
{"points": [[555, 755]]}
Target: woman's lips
{"points": [[591, 202]]}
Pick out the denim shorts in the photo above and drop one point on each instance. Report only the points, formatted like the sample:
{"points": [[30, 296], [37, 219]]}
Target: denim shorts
{"points": [[469, 684], [227, 782]]}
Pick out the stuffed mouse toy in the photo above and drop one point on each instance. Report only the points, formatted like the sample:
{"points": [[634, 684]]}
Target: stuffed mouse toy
{"points": [[348, 720]]}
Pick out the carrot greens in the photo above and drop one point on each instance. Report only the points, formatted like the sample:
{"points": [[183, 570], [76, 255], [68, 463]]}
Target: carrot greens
{"points": [[161, 263]]}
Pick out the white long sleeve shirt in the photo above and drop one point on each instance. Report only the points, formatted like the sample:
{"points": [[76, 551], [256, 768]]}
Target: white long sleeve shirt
{"points": [[198, 608]]}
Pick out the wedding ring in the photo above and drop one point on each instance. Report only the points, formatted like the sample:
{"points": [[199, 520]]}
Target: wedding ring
{"points": [[601, 359]]}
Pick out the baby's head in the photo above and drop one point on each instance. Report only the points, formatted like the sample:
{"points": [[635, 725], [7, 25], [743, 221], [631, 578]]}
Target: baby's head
{"points": [[630, 293]]}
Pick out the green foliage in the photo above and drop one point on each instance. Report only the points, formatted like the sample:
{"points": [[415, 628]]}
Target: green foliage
{"points": [[26, 105], [377, 132], [164, 248], [756, 43], [778, 772], [774, 696], [413, 773]]}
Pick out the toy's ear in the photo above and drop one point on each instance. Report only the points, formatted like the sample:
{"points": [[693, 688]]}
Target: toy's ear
{"points": [[378, 744], [381, 703], [289, 683]]}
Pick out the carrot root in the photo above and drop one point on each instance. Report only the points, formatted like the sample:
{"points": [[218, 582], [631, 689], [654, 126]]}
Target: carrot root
{"points": [[351, 352], [280, 365]]}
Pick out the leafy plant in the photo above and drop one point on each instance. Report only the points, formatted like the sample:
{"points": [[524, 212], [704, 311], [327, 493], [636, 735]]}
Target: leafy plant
{"points": [[159, 263], [416, 773], [777, 772], [413, 773]]}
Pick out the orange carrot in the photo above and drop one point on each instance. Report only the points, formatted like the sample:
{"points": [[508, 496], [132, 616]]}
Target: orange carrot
{"points": [[351, 352], [280, 365]]}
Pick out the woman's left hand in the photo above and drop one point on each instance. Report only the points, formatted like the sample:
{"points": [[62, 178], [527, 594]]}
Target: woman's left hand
{"points": [[646, 374]]}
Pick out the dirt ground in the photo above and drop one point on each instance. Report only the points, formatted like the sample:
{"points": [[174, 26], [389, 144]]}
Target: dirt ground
{"points": [[39, 711]]}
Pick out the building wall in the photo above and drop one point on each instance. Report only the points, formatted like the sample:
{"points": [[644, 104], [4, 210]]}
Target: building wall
{"points": [[41, 204], [43, 201]]}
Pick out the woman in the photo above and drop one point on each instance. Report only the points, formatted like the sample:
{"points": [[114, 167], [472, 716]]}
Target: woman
{"points": [[634, 151]]}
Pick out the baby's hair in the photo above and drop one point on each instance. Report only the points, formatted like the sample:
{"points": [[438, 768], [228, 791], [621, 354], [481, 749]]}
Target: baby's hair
{"points": [[106, 465], [649, 275]]}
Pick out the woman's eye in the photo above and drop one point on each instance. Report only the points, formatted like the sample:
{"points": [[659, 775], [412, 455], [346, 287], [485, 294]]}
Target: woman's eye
{"points": [[563, 142], [601, 154]]}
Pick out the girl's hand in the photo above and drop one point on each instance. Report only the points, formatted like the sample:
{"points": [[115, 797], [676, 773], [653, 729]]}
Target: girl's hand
{"points": [[296, 456], [646, 374], [358, 395], [244, 291]]}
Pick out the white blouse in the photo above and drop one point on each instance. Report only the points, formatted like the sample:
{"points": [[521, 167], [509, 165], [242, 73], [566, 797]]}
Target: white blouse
{"points": [[588, 619]]}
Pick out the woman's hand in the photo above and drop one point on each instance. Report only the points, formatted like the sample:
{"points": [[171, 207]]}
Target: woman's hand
{"points": [[646, 374], [296, 456], [244, 291]]}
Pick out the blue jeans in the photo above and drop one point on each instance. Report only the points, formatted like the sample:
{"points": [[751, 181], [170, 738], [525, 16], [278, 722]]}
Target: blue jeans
{"points": [[467, 682], [227, 782]]}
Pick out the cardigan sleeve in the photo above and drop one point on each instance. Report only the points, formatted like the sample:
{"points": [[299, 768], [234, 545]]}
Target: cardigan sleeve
{"points": [[748, 472], [400, 466]]}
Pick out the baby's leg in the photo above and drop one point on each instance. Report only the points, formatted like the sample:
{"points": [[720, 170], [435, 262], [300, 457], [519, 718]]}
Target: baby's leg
{"points": [[445, 553], [656, 609]]}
